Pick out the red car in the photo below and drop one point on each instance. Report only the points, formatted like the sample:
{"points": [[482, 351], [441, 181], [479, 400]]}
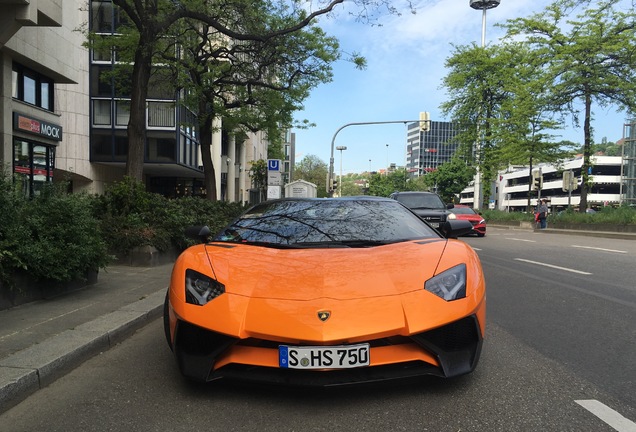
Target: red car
{"points": [[464, 212]]}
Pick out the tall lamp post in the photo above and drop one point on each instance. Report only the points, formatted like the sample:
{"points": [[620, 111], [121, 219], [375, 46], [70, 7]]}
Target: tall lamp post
{"points": [[341, 148], [482, 5]]}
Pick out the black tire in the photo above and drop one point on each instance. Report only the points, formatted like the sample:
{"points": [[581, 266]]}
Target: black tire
{"points": [[166, 321]]}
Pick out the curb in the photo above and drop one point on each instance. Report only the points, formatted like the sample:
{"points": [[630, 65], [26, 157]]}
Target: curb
{"points": [[27, 371]]}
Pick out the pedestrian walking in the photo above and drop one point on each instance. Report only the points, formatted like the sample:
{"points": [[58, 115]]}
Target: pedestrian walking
{"points": [[542, 214]]}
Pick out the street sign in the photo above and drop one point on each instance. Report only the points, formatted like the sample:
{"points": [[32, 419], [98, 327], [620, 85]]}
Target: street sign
{"points": [[273, 165], [273, 192], [274, 178]]}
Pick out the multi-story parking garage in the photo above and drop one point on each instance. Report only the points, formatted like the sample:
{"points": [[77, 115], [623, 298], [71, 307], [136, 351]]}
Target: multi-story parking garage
{"points": [[613, 180]]}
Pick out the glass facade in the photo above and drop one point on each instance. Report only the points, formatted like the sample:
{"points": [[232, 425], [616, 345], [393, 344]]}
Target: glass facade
{"points": [[171, 131], [33, 165], [426, 151]]}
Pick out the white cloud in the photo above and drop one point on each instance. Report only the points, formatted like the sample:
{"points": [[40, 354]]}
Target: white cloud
{"points": [[405, 58]]}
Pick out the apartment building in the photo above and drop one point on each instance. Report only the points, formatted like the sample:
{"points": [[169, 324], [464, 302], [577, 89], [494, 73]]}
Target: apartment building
{"points": [[60, 120]]}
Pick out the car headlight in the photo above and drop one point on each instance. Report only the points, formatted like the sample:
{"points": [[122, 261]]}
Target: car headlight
{"points": [[483, 221], [449, 285], [200, 289], [451, 216]]}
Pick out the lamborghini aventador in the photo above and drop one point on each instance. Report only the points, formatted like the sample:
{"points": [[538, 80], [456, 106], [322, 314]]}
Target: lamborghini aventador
{"points": [[327, 292]]}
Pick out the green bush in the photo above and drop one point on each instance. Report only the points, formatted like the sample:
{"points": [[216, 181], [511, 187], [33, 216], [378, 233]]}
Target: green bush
{"points": [[131, 217], [52, 236], [60, 237], [623, 215]]}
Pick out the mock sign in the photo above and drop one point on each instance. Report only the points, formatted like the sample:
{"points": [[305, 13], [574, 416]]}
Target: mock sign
{"points": [[30, 125]]}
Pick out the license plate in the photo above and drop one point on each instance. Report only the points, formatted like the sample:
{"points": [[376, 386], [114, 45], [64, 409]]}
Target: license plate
{"points": [[323, 357], [434, 224]]}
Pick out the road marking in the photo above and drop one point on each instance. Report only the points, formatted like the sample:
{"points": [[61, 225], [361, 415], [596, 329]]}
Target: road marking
{"points": [[553, 266], [518, 239], [608, 415], [599, 249]]}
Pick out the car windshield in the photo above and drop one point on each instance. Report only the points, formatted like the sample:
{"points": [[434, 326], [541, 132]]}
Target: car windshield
{"points": [[421, 201], [463, 210], [326, 223]]}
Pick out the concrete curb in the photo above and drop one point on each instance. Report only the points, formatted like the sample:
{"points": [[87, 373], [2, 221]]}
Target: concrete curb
{"points": [[27, 371]]}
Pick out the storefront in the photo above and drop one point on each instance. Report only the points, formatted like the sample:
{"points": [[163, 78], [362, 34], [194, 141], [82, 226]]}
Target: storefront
{"points": [[34, 144]]}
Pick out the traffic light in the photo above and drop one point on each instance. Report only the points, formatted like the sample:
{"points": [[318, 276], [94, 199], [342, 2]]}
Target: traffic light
{"points": [[537, 180], [334, 184], [570, 182], [425, 121], [567, 181]]}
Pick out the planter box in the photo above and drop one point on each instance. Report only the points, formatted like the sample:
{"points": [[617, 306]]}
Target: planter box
{"points": [[592, 227], [26, 289], [147, 256]]}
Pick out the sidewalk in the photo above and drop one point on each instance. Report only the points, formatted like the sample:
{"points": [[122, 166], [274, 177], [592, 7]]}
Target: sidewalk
{"points": [[42, 341], [589, 233]]}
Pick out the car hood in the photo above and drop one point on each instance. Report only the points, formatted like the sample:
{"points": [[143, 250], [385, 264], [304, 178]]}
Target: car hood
{"points": [[427, 212], [336, 273]]}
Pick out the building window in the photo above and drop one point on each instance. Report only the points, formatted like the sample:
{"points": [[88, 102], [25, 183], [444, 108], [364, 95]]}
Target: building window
{"points": [[32, 166], [161, 114], [102, 17], [101, 112], [123, 112], [32, 87]]}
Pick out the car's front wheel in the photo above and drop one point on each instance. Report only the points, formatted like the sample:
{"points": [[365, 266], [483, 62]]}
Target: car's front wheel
{"points": [[166, 320]]}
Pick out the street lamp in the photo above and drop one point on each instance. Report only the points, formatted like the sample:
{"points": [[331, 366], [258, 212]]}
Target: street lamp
{"points": [[482, 5], [341, 148]]}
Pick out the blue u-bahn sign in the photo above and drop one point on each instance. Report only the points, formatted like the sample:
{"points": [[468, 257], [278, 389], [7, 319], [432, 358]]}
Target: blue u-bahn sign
{"points": [[273, 164]]}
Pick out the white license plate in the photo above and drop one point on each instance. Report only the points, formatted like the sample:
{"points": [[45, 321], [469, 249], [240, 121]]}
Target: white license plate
{"points": [[323, 357], [434, 224]]}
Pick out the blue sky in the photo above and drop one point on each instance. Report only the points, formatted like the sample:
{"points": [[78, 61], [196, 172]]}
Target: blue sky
{"points": [[405, 67]]}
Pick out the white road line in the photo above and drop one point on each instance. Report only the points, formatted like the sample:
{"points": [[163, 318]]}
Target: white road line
{"points": [[599, 249], [518, 239], [608, 415], [553, 266]]}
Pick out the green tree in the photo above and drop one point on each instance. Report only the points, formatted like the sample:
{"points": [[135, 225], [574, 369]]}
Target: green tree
{"points": [[526, 117], [232, 82], [385, 184], [314, 170], [450, 178], [144, 26], [350, 188], [590, 59], [475, 84], [258, 174]]}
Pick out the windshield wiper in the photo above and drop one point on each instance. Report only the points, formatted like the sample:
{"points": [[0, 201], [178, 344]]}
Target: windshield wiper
{"points": [[346, 243]]}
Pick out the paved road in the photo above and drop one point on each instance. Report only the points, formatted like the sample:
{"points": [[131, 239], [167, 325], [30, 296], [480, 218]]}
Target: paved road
{"points": [[554, 337]]}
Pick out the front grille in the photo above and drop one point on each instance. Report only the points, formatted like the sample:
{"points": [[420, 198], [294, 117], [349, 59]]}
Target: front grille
{"points": [[261, 343]]}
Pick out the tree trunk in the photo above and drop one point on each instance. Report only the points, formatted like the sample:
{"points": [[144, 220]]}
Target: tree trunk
{"points": [[209, 173], [137, 121], [587, 153]]}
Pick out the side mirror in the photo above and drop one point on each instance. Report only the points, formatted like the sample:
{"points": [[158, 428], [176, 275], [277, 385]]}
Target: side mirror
{"points": [[198, 232], [450, 206], [455, 227]]}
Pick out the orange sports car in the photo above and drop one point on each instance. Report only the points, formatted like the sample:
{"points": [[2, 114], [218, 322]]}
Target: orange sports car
{"points": [[327, 292]]}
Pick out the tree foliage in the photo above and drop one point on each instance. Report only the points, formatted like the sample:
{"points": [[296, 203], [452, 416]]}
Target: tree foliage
{"points": [[314, 170], [589, 58], [147, 27], [450, 179]]}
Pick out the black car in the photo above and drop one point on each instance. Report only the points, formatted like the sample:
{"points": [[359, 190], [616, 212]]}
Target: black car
{"points": [[427, 205]]}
